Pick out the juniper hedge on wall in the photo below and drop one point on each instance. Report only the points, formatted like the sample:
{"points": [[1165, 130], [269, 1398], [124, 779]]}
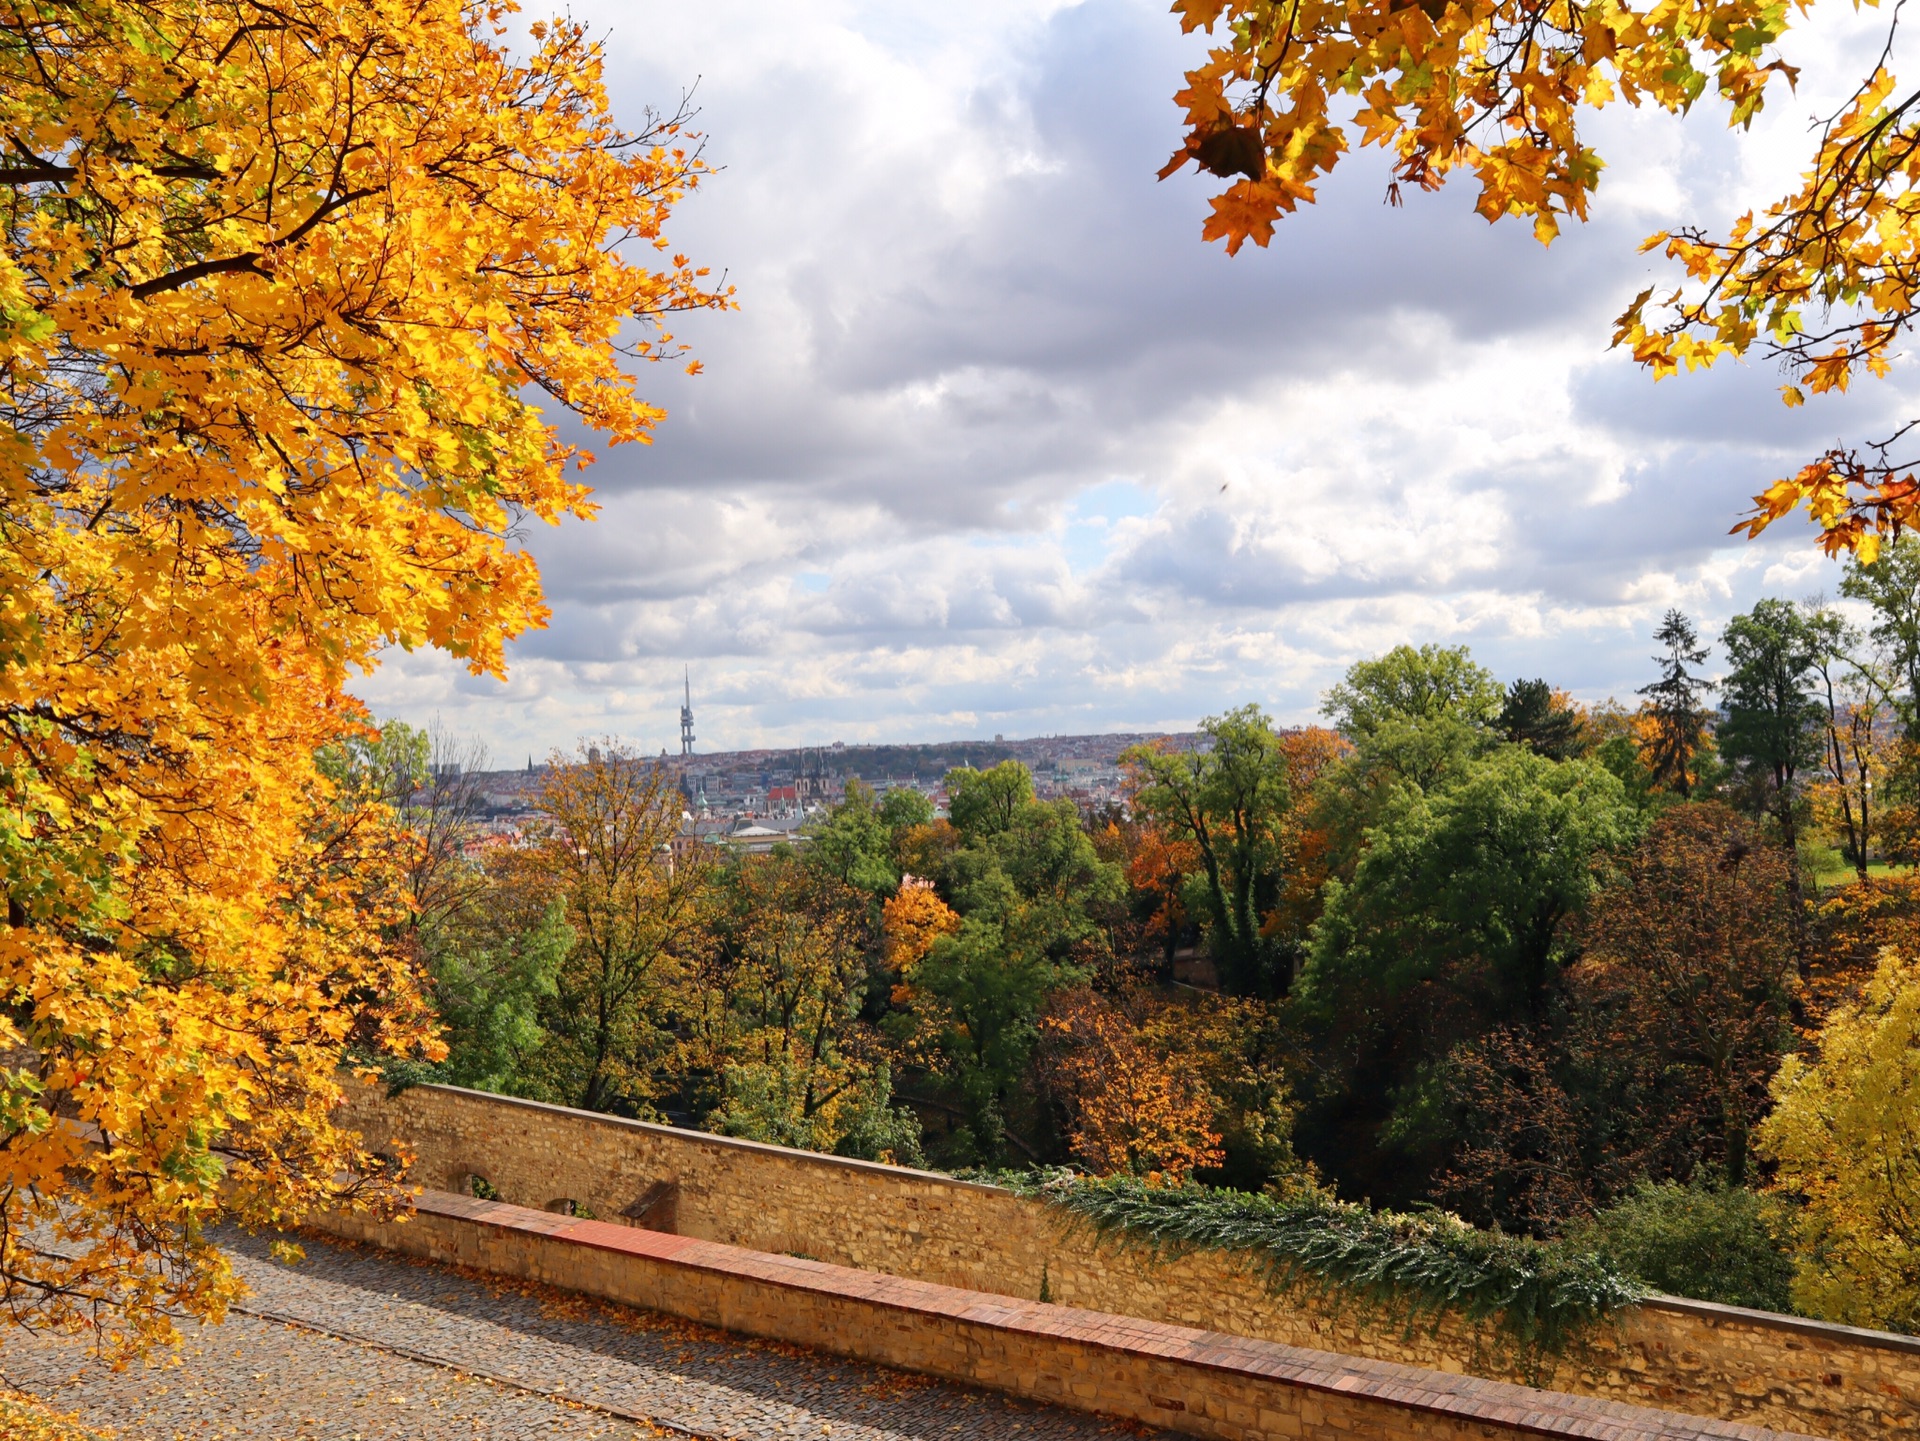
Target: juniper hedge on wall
{"points": [[1537, 1297]]}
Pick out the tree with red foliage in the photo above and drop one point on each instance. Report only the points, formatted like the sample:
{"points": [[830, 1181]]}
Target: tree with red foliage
{"points": [[1691, 954], [1656, 1057]]}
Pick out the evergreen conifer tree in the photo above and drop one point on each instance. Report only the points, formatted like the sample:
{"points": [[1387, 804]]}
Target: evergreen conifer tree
{"points": [[1530, 718], [1679, 720]]}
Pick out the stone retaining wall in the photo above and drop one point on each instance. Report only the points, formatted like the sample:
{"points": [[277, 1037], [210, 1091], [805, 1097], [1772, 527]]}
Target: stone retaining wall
{"points": [[1688, 1356], [1202, 1384]]}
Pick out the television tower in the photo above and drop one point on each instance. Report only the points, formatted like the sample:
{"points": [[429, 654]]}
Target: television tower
{"points": [[686, 717]]}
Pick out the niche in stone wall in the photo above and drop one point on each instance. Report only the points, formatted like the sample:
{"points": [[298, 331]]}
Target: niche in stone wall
{"points": [[470, 1182], [657, 1209]]}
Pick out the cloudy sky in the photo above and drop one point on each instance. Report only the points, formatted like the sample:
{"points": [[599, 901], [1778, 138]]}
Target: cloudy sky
{"points": [[994, 443]]}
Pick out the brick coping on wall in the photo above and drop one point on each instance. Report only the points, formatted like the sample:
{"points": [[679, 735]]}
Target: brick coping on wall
{"points": [[1709, 1311], [1461, 1399]]}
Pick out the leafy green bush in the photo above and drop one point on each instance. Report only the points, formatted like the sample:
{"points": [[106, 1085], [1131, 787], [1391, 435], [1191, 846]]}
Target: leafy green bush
{"points": [[1712, 1243], [878, 1130], [1538, 1297]]}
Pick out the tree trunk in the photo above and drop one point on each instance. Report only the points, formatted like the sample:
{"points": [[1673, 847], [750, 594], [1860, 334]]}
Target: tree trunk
{"points": [[1796, 896], [1736, 1139]]}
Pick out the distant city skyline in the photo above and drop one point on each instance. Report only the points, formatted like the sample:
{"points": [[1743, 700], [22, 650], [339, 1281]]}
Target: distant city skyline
{"points": [[754, 800]]}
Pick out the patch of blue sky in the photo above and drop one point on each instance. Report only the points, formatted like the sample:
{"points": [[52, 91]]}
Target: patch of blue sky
{"points": [[1088, 535]]}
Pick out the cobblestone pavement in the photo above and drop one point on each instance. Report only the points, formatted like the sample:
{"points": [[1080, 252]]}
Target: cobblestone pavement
{"points": [[353, 1345]]}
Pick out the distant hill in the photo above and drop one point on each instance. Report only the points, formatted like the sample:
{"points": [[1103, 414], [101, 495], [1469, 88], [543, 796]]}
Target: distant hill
{"points": [[926, 761]]}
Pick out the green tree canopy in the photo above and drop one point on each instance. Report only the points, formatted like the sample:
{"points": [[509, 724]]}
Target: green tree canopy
{"points": [[985, 803], [1771, 725], [1034, 897], [854, 844], [492, 975], [903, 808], [1413, 685], [1451, 925], [1468, 885], [1891, 585], [1227, 800]]}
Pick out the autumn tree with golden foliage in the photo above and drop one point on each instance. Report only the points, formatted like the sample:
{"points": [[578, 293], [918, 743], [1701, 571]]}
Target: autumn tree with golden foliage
{"points": [[1152, 1084], [1131, 1112], [912, 919], [1848, 930], [284, 289], [1824, 280], [603, 852], [770, 1005], [1845, 1136]]}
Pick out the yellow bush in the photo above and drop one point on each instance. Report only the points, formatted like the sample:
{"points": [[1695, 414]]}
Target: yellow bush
{"points": [[22, 1418], [1845, 1133]]}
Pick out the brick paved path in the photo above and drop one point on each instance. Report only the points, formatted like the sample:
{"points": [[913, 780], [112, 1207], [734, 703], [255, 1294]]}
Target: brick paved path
{"points": [[354, 1345]]}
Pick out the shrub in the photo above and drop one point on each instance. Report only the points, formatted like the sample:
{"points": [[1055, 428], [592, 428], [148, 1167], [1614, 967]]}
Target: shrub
{"points": [[1712, 1243], [25, 1418], [878, 1130], [1536, 1297], [1845, 1135], [769, 1103]]}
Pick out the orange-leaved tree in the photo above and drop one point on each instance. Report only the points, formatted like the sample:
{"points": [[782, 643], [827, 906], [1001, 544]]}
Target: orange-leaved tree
{"points": [[284, 289], [1133, 1109], [911, 921], [1825, 279]]}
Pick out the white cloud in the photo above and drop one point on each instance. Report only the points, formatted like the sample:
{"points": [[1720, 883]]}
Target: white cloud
{"points": [[957, 464]]}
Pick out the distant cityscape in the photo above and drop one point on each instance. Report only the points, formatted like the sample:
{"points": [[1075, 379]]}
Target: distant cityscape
{"points": [[753, 800]]}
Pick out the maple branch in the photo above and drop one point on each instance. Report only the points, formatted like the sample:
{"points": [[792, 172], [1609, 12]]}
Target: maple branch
{"points": [[39, 174], [186, 275], [46, 171], [248, 261], [243, 33]]}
